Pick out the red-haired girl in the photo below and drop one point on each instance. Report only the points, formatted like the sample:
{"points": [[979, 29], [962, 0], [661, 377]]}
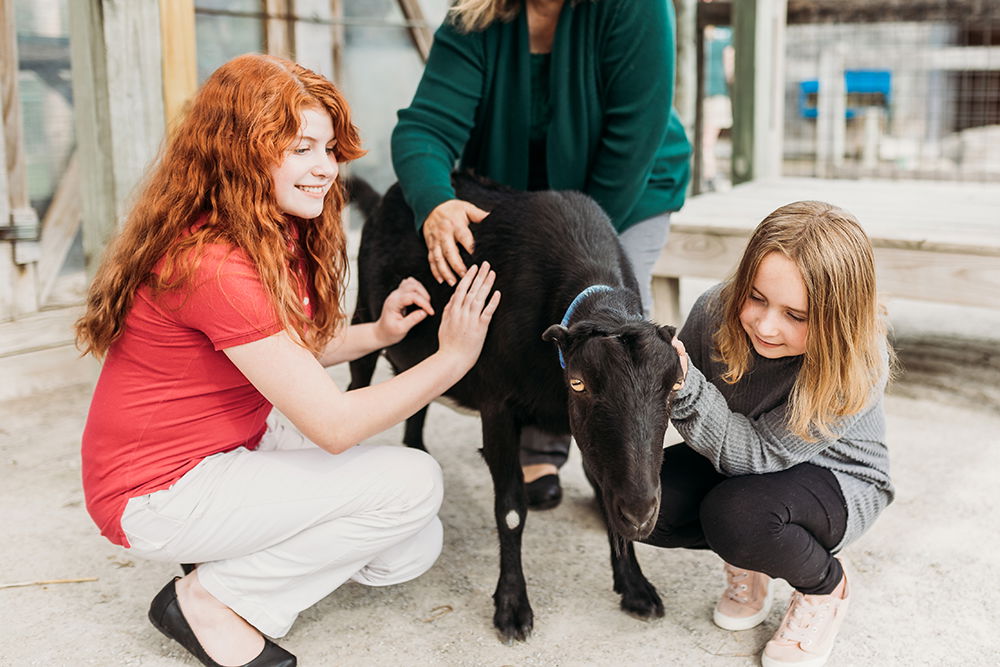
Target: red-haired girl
{"points": [[784, 460], [220, 299]]}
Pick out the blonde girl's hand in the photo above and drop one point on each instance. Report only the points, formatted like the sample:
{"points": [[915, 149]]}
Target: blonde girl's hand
{"points": [[394, 322], [467, 316], [446, 227], [679, 346]]}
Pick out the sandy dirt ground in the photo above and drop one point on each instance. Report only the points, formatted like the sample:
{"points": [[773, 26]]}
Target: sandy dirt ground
{"points": [[925, 586]]}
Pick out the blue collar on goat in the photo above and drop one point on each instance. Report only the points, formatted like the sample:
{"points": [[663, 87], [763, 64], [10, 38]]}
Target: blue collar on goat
{"points": [[593, 289]]}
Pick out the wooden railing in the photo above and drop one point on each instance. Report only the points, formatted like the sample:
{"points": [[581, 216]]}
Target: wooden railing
{"points": [[933, 241]]}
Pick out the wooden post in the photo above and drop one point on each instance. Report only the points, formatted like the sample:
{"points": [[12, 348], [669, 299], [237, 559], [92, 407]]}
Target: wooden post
{"points": [[17, 183], [687, 91], [314, 45], [419, 32], [180, 57], [59, 228], [116, 56], [339, 39], [279, 34], [744, 83], [873, 124], [6, 260], [770, 91], [831, 117], [758, 88], [18, 293], [697, 132]]}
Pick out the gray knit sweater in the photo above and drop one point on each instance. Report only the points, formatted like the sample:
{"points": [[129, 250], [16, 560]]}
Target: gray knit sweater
{"points": [[742, 428]]}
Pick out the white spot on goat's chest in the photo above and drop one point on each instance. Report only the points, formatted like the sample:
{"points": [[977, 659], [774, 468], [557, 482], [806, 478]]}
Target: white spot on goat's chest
{"points": [[513, 519]]}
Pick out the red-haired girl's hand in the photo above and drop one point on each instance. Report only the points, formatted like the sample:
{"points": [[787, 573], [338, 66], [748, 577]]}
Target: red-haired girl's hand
{"points": [[467, 316], [394, 322]]}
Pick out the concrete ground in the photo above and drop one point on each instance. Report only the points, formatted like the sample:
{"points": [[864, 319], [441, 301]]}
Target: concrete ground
{"points": [[925, 591]]}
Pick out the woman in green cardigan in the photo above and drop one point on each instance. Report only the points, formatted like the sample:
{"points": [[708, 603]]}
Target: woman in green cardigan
{"points": [[547, 94]]}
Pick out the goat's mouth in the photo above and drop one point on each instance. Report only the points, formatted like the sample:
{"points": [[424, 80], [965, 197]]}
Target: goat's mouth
{"points": [[633, 520]]}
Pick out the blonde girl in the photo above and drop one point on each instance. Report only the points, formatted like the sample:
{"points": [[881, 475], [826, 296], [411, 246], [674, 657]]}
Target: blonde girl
{"points": [[784, 460], [221, 298]]}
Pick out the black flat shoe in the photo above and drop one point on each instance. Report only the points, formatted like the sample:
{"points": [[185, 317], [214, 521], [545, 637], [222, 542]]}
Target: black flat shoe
{"points": [[544, 493], [165, 615]]}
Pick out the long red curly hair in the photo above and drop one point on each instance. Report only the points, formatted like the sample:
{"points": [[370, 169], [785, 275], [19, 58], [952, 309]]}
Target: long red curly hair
{"points": [[215, 170]]}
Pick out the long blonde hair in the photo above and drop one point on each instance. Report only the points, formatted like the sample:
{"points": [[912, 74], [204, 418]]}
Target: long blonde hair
{"points": [[476, 15], [215, 167], [845, 348]]}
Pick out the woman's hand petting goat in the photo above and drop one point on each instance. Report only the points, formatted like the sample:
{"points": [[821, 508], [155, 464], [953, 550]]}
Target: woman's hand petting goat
{"points": [[394, 322], [445, 228], [288, 375], [404, 308], [467, 315]]}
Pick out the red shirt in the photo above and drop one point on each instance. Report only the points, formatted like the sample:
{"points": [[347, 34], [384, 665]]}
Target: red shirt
{"points": [[168, 396]]}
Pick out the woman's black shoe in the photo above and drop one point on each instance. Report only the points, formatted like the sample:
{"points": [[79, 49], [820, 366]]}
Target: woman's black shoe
{"points": [[544, 493], [165, 615]]}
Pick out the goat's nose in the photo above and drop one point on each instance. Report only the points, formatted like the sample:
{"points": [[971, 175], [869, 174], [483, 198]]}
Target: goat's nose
{"points": [[639, 515]]}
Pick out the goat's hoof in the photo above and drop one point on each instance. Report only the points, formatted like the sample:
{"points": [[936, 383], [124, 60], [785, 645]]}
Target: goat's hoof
{"points": [[644, 603], [514, 626]]}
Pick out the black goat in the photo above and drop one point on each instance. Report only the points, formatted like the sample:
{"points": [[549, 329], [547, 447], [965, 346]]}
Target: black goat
{"points": [[547, 249]]}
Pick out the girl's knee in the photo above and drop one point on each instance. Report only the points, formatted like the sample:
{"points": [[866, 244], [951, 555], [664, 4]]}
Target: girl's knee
{"points": [[430, 542], [415, 479], [427, 477], [737, 519], [406, 560]]}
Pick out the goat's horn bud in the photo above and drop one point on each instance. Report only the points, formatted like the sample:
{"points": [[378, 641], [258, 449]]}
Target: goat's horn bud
{"points": [[555, 334]]}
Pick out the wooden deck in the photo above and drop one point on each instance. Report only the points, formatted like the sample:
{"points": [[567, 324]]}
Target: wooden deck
{"points": [[933, 241]]}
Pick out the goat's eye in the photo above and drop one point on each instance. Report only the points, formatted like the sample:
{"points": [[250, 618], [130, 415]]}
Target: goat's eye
{"points": [[576, 384]]}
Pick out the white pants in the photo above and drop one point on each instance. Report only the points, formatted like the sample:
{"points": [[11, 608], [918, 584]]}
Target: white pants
{"points": [[277, 529]]}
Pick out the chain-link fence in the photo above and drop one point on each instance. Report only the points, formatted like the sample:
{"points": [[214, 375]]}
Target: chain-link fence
{"points": [[903, 90]]}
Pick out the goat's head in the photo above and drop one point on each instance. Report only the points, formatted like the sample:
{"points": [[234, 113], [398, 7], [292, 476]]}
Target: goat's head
{"points": [[620, 378]]}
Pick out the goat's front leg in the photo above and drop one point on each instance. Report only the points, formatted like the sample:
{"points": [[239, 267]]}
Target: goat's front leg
{"points": [[512, 617], [362, 370], [413, 434], [639, 597]]}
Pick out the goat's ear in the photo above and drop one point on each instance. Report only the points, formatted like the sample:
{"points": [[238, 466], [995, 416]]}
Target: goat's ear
{"points": [[556, 334], [667, 332]]}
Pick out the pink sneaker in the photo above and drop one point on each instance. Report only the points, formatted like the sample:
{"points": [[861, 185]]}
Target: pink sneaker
{"points": [[746, 601], [806, 634]]}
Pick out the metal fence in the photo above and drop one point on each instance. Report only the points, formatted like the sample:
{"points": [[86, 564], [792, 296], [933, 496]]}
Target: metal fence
{"points": [[902, 90]]}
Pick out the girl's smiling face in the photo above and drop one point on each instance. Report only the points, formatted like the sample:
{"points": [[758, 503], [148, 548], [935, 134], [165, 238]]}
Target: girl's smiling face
{"points": [[308, 169], [775, 313]]}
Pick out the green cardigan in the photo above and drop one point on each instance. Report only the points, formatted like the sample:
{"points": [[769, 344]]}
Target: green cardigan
{"points": [[613, 135]]}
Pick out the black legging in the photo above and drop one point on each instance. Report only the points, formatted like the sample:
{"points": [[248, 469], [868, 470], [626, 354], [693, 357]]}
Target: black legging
{"points": [[783, 523]]}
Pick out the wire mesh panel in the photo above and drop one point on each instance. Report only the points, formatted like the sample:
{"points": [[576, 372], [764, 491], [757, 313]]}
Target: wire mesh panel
{"points": [[902, 89], [46, 95], [893, 90]]}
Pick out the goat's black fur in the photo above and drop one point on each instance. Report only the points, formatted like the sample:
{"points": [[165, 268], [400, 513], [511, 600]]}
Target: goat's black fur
{"points": [[546, 247]]}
